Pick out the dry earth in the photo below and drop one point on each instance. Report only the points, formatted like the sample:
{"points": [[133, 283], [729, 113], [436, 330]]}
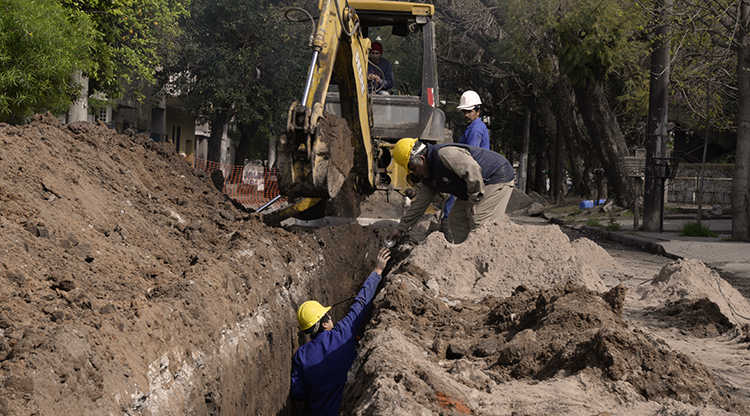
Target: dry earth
{"points": [[130, 285]]}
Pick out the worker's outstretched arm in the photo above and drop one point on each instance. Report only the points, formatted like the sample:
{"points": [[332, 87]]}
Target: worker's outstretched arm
{"points": [[382, 260]]}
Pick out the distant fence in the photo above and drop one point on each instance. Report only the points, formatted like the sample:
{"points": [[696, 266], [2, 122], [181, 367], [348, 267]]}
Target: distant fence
{"points": [[716, 191], [251, 186]]}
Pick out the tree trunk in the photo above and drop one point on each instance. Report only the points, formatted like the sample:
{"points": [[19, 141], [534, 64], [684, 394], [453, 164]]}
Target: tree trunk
{"points": [[247, 132], [548, 129], [579, 148], [606, 137], [540, 163], [215, 139], [741, 176], [523, 164], [557, 181]]}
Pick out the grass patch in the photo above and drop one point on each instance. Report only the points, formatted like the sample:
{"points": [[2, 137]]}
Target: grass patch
{"points": [[672, 210], [612, 227], [693, 229], [594, 222]]}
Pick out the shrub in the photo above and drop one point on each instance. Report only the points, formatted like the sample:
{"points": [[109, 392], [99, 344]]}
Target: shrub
{"points": [[693, 229]]}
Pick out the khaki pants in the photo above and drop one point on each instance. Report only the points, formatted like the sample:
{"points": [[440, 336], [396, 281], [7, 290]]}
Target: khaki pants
{"points": [[490, 209]]}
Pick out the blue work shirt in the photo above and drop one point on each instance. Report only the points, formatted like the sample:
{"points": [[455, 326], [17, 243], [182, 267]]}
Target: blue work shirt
{"points": [[476, 134], [320, 366]]}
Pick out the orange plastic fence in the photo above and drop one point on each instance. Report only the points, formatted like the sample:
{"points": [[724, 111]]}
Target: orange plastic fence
{"points": [[251, 186]]}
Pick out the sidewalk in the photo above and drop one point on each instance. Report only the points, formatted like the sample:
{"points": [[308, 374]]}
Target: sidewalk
{"points": [[716, 252]]}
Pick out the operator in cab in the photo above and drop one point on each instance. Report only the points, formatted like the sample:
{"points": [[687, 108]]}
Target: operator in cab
{"points": [[481, 180], [379, 71]]}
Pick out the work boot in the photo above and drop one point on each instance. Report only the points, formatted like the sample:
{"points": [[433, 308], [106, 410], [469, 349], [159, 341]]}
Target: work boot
{"points": [[445, 228]]}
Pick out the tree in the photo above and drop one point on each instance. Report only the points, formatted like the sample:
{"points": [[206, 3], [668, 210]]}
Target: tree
{"points": [[132, 37], [707, 29], [40, 48], [239, 62], [542, 49], [741, 176]]}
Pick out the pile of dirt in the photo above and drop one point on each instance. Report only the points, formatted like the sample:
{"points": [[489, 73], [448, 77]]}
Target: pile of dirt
{"points": [[130, 285], [495, 259], [691, 280], [515, 321]]}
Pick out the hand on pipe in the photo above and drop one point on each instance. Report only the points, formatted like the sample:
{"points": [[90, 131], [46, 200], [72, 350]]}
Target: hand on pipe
{"points": [[382, 260]]}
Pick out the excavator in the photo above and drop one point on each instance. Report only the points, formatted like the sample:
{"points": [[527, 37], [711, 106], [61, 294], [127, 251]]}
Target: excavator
{"points": [[342, 128]]}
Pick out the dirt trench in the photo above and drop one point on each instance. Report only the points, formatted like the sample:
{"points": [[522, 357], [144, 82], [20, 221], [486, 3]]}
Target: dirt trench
{"points": [[130, 285]]}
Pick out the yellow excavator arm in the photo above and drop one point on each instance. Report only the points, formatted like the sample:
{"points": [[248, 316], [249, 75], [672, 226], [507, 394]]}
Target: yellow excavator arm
{"points": [[315, 156], [340, 134]]}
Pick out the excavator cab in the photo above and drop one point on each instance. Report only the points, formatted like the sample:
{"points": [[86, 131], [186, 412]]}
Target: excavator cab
{"points": [[340, 129], [410, 109]]}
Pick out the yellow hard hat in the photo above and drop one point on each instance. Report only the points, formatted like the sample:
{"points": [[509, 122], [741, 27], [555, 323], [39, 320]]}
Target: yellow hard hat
{"points": [[402, 151], [309, 313]]}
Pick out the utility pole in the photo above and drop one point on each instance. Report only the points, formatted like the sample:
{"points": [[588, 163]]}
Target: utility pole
{"points": [[656, 141]]}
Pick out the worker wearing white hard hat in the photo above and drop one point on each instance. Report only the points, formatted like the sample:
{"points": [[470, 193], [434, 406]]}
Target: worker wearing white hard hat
{"points": [[476, 134], [481, 180], [320, 366]]}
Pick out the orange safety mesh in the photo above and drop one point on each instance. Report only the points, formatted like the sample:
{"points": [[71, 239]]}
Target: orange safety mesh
{"points": [[450, 404], [251, 186]]}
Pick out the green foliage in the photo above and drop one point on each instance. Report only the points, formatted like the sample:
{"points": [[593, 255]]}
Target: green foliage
{"points": [[703, 76], [693, 229], [41, 46], [95, 104], [132, 36], [242, 58], [594, 222], [596, 39], [613, 227]]}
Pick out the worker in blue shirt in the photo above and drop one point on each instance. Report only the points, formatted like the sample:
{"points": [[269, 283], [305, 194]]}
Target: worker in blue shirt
{"points": [[320, 366], [476, 134]]}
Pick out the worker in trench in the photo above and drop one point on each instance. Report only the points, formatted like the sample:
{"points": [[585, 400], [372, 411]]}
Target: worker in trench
{"points": [[481, 180], [320, 366]]}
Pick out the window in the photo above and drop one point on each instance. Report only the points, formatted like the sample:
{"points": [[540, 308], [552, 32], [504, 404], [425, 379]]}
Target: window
{"points": [[102, 115]]}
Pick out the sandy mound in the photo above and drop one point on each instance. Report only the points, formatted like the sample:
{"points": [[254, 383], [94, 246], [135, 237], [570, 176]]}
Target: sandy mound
{"points": [[497, 258], [517, 321], [563, 350], [691, 280]]}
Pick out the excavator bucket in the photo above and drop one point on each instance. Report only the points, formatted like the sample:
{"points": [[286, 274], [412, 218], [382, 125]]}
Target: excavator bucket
{"points": [[316, 164]]}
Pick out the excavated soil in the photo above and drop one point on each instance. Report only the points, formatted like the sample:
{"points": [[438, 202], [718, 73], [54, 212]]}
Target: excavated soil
{"points": [[130, 285]]}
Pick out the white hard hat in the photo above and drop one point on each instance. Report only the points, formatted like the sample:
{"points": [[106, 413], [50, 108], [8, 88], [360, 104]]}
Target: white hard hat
{"points": [[469, 100]]}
